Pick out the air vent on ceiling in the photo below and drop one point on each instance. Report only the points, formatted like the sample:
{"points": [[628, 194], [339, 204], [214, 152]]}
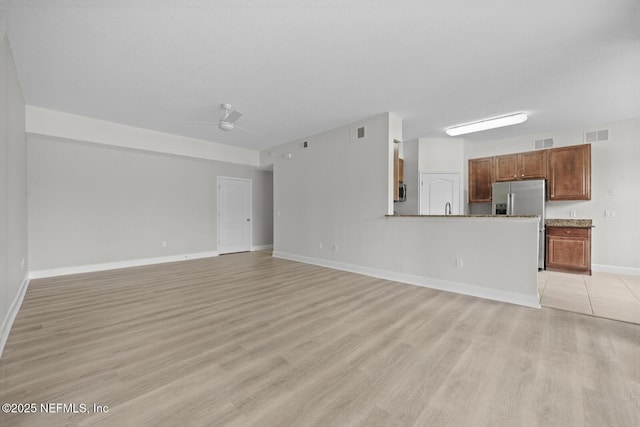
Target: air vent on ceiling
{"points": [[596, 135], [540, 144]]}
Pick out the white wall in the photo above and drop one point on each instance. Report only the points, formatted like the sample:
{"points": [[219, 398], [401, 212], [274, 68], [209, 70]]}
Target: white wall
{"points": [[3, 15], [615, 176], [441, 155], [94, 204], [13, 193], [331, 199]]}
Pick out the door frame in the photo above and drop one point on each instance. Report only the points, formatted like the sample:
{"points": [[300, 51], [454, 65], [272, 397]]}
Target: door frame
{"points": [[218, 213]]}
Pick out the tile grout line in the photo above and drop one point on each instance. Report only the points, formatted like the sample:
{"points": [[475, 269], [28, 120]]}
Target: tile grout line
{"points": [[544, 286], [584, 281], [627, 286]]}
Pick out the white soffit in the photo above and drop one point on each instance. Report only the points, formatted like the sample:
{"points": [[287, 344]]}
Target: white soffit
{"points": [[42, 121]]}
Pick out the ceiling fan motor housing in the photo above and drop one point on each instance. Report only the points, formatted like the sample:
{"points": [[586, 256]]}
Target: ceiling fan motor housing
{"points": [[226, 126]]}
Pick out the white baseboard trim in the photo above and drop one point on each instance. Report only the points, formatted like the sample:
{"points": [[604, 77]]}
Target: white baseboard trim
{"points": [[443, 285], [261, 247], [90, 268], [7, 322], [614, 269]]}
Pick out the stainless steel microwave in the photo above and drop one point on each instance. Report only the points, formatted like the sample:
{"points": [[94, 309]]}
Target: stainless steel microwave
{"points": [[402, 193]]}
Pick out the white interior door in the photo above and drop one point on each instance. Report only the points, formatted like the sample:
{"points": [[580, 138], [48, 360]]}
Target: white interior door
{"points": [[234, 215], [438, 189]]}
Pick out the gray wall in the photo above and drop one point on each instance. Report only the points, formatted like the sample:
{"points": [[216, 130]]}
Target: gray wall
{"points": [[331, 199], [93, 204], [13, 190]]}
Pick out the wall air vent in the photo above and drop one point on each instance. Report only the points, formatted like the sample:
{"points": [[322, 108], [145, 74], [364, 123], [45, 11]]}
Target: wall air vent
{"points": [[596, 135], [358, 133], [540, 144]]}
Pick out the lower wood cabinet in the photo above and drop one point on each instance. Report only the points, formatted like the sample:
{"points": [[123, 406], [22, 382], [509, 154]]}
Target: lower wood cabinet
{"points": [[569, 249]]}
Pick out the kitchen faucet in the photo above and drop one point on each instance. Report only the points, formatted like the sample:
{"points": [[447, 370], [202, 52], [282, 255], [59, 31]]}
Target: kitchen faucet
{"points": [[447, 208]]}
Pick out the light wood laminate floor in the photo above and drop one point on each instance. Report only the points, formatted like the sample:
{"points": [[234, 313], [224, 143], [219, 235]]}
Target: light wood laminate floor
{"points": [[249, 340], [611, 296]]}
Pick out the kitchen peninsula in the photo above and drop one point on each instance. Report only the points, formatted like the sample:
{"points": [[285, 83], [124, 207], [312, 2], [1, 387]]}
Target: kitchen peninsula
{"points": [[489, 256]]}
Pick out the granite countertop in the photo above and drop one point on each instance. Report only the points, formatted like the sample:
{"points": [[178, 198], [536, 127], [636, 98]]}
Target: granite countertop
{"points": [[461, 216], [571, 222]]}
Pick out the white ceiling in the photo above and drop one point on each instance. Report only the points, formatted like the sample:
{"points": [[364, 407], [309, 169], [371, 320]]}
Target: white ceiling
{"points": [[299, 67]]}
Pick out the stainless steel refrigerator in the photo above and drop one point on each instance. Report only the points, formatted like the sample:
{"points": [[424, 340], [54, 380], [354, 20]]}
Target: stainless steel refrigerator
{"points": [[522, 198]]}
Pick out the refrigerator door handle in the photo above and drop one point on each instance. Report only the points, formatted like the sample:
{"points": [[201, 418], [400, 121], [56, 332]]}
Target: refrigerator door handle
{"points": [[509, 203], [512, 202]]}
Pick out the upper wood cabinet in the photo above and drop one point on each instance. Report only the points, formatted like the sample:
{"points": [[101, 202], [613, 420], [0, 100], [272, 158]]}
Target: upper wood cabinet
{"points": [[533, 164], [569, 174], [480, 179], [566, 169], [506, 167], [529, 165]]}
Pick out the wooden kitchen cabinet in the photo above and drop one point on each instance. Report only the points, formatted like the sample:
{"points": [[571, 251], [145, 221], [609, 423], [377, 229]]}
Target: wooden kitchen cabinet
{"points": [[569, 173], [506, 167], [398, 171], [566, 169], [569, 249], [532, 165], [480, 179], [529, 165]]}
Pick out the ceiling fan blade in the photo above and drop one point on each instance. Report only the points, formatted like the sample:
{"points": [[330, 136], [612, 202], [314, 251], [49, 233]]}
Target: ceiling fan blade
{"points": [[233, 116], [244, 129], [203, 123]]}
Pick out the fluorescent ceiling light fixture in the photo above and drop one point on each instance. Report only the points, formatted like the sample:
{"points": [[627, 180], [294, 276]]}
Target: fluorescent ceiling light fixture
{"points": [[498, 122]]}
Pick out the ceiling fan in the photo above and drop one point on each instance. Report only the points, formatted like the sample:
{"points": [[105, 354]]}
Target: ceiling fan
{"points": [[228, 119]]}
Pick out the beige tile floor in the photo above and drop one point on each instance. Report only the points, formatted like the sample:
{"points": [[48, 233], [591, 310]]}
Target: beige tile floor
{"points": [[606, 295]]}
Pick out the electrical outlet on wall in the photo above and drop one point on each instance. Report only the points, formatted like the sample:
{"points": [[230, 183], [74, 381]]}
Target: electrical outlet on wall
{"points": [[22, 264], [164, 243], [459, 262], [573, 214]]}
